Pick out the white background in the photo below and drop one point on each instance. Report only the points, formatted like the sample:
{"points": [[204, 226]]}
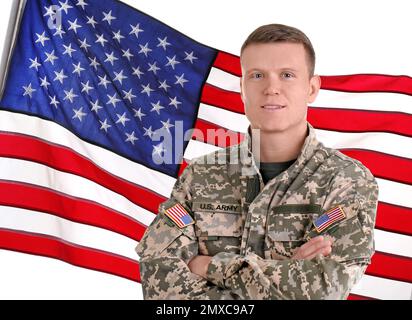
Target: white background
{"points": [[348, 36]]}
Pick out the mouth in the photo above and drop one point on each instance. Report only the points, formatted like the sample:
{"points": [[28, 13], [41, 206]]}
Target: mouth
{"points": [[273, 107]]}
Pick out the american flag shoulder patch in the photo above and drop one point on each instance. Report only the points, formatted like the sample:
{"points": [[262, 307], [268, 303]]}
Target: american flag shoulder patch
{"points": [[179, 215], [328, 218]]}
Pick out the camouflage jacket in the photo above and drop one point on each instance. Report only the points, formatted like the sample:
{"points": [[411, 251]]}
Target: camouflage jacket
{"points": [[252, 230]]}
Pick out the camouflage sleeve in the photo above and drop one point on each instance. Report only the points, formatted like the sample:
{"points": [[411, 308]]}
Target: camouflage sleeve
{"points": [[331, 277], [165, 250]]}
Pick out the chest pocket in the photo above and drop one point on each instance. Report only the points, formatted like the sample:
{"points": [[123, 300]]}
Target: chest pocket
{"points": [[286, 228], [218, 231]]}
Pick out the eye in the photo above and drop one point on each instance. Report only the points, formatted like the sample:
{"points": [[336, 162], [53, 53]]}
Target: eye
{"points": [[257, 75], [288, 75]]}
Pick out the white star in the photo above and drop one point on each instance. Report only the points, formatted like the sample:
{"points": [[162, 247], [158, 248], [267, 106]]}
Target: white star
{"points": [[110, 58], [148, 132], [108, 17], [157, 150], [95, 106], [117, 36], [127, 54], [41, 38], [153, 67], [163, 43], [50, 11], [94, 63], [86, 87], [138, 113], [164, 85], [137, 72], [156, 107], [131, 138], [122, 119], [60, 76], [28, 90], [113, 100], [174, 102], [144, 49], [172, 62], [90, 20], [128, 95], [50, 57], [44, 82], [135, 30], [59, 32], [64, 6], [146, 89], [34, 64], [69, 95], [103, 81], [119, 76], [54, 101], [78, 114], [101, 39], [81, 3], [84, 44], [68, 50], [105, 125], [74, 26], [181, 80], [77, 68], [167, 125], [190, 57]]}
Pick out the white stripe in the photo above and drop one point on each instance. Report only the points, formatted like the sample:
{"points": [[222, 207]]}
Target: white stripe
{"points": [[72, 185], [109, 161], [375, 141], [224, 118], [374, 101], [77, 233], [378, 101], [393, 243], [224, 80], [389, 191], [384, 289]]}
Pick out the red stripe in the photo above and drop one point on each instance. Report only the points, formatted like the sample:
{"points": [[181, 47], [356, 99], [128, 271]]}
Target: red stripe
{"points": [[368, 83], [228, 62], [74, 254], [359, 297], [65, 159], [324, 118], [224, 99], [390, 266], [394, 218], [382, 165], [26, 196], [215, 135], [360, 120]]}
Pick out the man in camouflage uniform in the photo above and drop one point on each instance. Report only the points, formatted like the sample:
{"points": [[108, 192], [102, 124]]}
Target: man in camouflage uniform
{"points": [[292, 219]]}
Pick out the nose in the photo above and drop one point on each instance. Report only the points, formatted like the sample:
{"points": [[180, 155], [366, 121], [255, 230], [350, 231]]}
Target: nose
{"points": [[272, 86]]}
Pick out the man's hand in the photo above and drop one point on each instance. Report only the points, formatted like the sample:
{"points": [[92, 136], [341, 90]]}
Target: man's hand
{"points": [[199, 264], [318, 245]]}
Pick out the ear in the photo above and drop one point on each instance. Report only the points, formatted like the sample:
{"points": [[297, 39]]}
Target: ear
{"points": [[314, 87]]}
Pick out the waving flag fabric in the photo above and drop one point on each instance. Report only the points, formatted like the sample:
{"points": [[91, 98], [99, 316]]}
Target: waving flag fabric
{"points": [[85, 98]]}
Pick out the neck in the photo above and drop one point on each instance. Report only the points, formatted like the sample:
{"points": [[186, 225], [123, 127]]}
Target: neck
{"points": [[281, 146]]}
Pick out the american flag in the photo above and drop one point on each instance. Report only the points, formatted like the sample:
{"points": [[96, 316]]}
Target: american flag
{"points": [[84, 97]]}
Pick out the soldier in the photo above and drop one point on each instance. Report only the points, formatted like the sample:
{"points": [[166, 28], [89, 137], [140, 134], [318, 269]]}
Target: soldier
{"points": [[292, 220]]}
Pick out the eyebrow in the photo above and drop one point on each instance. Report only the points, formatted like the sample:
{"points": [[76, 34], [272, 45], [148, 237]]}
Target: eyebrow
{"points": [[280, 69]]}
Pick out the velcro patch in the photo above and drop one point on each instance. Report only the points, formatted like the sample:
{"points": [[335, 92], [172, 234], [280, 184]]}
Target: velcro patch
{"points": [[217, 207], [328, 218], [179, 215]]}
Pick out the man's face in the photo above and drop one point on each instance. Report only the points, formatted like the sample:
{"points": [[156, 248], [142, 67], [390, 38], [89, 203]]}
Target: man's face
{"points": [[275, 86]]}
